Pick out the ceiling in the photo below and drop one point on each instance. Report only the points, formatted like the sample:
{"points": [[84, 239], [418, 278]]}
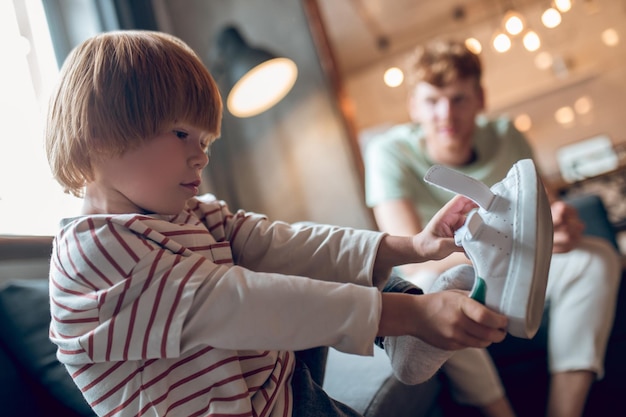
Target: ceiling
{"points": [[369, 36], [362, 32]]}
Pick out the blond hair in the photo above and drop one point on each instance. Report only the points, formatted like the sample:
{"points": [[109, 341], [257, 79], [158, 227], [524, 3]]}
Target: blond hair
{"points": [[441, 62], [117, 90]]}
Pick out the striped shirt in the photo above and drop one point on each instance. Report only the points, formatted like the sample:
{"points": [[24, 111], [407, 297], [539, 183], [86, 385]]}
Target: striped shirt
{"points": [[198, 314]]}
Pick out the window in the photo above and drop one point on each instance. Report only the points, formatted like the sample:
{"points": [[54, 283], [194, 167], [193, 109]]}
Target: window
{"points": [[31, 202]]}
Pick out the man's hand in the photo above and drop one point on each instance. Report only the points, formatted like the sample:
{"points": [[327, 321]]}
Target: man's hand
{"points": [[568, 228]]}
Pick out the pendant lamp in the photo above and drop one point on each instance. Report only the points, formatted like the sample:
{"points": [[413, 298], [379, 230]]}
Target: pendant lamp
{"points": [[254, 79]]}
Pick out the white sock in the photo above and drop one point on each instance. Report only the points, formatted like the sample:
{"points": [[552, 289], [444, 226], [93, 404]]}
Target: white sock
{"points": [[460, 277], [414, 361]]}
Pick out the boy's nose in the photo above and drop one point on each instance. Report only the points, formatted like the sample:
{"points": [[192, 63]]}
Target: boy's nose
{"points": [[200, 159]]}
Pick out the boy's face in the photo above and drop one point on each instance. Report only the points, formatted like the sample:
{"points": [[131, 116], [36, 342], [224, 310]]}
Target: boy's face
{"points": [[447, 114], [157, 177]]}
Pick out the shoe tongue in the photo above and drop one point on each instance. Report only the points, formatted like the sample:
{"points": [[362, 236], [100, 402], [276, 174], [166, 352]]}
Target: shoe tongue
{"points": [[459, 183]]}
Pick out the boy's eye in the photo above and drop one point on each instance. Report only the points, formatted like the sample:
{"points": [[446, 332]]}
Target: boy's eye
{"points": [[180, 134]]}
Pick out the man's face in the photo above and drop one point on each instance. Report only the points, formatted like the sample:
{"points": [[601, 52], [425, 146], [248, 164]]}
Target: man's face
{"points": [[447, 114]]}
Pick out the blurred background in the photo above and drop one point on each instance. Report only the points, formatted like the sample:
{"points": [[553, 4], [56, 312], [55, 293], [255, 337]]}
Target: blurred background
{"points": [[563, 82], [561, 77]]}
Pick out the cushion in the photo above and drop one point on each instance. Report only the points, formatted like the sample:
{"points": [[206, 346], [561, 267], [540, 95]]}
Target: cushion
{"points": [[15, 394], [24, 326]]}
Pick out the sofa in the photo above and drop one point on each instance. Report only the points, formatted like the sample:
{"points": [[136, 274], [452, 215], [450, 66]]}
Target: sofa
{"points": [[33, 383]]}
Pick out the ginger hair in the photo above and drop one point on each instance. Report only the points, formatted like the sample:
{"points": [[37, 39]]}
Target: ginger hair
{"points": [[117, 90]]}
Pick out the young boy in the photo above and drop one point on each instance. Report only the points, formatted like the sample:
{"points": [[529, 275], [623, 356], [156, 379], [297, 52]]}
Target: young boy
{"points": [[165, 303]]}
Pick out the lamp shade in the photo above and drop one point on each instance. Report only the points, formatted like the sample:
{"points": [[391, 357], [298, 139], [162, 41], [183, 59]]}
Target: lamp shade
{"points": [[254, 78]]}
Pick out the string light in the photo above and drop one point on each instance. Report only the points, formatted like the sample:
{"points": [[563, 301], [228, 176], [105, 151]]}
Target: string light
{"points": [[551, 18], [564, 115], [543, 60], [610, 37], [501, 42], [474, 45], [531, 41], [513, 22], [523, 123], [393, 77], [583, 105], [563, 6]]}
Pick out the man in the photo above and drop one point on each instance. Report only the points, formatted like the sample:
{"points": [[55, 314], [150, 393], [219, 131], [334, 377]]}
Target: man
{"points": [[445, 99]]}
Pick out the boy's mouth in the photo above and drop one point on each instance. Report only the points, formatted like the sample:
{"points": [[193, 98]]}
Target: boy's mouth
{"points": [[193, 186]]}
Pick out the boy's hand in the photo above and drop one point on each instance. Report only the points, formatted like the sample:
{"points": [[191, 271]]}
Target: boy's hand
{"points": [[448, 320], [436, 241], [459, 322]]}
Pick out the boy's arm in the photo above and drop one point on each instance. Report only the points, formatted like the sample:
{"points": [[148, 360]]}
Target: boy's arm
{"points": [[118, 296], [321, 252]]}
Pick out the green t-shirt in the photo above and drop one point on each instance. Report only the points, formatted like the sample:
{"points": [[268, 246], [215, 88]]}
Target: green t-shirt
{"points": [[396, 162]]}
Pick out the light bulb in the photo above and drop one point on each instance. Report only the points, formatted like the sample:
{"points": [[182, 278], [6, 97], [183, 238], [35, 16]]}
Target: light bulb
{"points": [[583, 105], [523, 123], [393, 77], [513, 23], [501, 43], [564, 115], [563, 5], [551, 18], [531, 41], [262, 87], [543, 60], [610, 37], [473, 45]]}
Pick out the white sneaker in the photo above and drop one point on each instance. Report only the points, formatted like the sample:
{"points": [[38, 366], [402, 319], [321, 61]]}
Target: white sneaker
{"points": [[509, 241]]}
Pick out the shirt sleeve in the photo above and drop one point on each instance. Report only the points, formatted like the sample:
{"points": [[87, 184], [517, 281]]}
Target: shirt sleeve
{"points": [[118, 296], [243, 310], [321, 252]]}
